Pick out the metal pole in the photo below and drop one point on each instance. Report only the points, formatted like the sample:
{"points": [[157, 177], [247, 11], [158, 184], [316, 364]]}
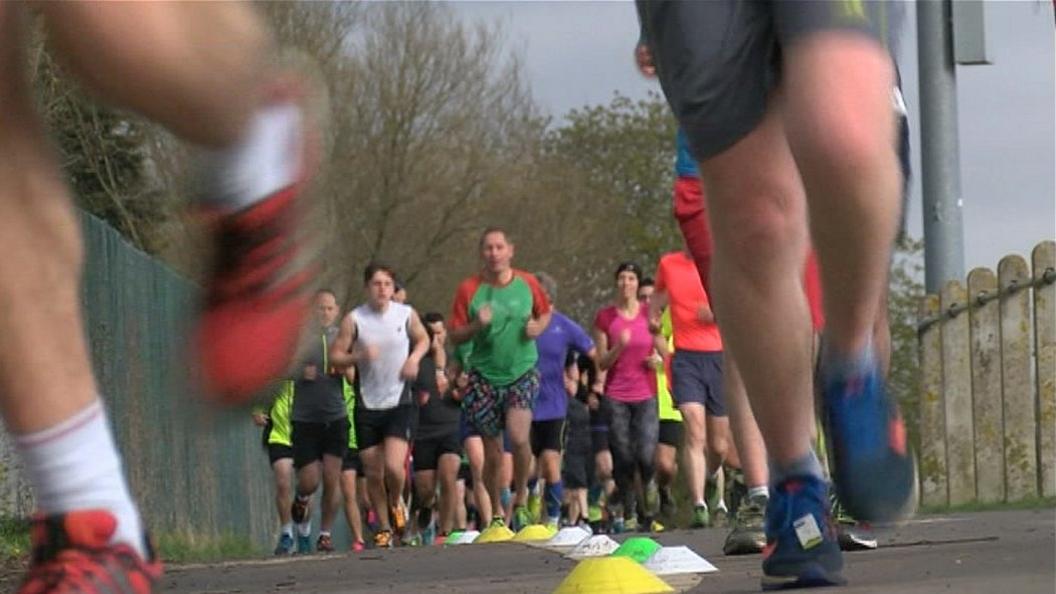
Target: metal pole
{"points": [[940, 161]]}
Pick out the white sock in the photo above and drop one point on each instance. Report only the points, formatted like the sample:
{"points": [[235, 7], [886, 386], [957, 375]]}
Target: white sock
{"points": [[762, 491], [324, 533], [701, 503], [266, 160], [305, 529], [74, 465], [287, 529]]}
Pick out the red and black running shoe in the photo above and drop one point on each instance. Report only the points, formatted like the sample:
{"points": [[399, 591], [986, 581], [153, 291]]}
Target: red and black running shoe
{"points": [[258, 295], [72, 554]]}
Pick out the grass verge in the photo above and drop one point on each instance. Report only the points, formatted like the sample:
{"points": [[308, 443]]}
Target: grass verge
{"points": [[14, 538], [185, 548], [1029, 503]]}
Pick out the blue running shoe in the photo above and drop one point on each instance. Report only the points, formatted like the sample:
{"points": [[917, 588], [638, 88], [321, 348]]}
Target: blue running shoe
{"points": [[304, 545], [285, 546], [802, 548], [873, 469], [429, 534]]}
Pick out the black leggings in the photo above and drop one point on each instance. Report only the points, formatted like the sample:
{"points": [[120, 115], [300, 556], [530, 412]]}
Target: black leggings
{"points": [[633, 431]]}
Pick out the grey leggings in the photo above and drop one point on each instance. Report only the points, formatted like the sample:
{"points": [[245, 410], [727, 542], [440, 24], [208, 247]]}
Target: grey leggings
{"points": [[633, 431]]}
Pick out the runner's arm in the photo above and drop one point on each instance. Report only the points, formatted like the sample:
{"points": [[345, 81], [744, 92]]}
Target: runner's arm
{"points": [[341, 355], [606, 356], [536, 325], [419, 337]]}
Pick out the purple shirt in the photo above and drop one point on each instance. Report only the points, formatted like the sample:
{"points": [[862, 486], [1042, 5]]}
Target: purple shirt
{"points": [[630, 379], [561, 335]]}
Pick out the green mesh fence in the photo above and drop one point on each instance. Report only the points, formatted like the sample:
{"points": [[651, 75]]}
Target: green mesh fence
{"points": [[195, 471]]}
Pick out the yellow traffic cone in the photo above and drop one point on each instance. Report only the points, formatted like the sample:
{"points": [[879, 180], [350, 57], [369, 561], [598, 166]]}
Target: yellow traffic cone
{"points": [[611, 575]]}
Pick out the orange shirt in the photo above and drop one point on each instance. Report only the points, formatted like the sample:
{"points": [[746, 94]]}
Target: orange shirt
{"points": [[677, 276]]}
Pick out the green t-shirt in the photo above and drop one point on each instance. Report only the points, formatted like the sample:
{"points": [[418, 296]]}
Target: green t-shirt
{"points": [[667, 410], [501, 351]]}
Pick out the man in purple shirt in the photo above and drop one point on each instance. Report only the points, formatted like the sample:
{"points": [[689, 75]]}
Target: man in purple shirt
{"points": [[548, 417]]}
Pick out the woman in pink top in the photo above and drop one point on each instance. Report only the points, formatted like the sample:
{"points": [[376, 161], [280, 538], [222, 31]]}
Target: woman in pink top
{"points": [[625, 354]]}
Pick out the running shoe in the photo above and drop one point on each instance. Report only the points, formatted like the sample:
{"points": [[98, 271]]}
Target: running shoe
{"points": [[594, 513], [261, 281], [656, 527], [521, 518], [854, 536], [357, 547], [304, 544], [71, 552], [285, 546], [873, 469], [497, 522], [618, 526], [429, 534], [324, 544], [701, 517], [399, 520], [383, 539], [748, 536], [535, 507], [801, 542], [630, 524]]}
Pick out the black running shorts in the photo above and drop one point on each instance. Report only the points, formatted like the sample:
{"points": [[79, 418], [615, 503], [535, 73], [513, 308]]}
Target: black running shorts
{"points": [[670, 433], [547, 435], [717, 60], [373, 426], [312, 440], [427, 452]]}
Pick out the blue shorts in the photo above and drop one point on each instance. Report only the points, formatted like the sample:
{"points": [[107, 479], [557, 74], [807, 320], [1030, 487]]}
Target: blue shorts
{"points": [[696, 376]]}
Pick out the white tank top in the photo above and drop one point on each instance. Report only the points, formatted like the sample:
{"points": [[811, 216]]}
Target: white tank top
{"points": [[380, 384]]}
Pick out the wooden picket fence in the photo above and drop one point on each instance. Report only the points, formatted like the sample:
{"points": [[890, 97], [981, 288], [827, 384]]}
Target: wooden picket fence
{"points": [[988, 394]]}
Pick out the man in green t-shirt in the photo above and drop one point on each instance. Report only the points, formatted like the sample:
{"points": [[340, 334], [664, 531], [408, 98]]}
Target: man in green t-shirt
{"points": [[501, 312]]}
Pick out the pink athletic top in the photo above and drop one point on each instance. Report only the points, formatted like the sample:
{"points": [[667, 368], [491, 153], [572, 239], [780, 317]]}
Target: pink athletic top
{"points": [[629, 379]]}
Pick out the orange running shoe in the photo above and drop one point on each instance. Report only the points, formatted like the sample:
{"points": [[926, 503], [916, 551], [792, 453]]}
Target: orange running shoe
{"points": [[72, 554], [383, 539], [399, 520]]}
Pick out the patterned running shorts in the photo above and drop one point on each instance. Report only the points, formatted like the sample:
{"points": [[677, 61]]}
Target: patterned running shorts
{"points": [[485, 404]]}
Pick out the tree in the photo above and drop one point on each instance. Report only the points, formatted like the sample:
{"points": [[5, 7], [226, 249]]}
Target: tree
{"points": [[904, 295], [603, 186], [101, 151]]}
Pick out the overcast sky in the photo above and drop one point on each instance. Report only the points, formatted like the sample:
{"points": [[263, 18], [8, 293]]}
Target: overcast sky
{"points": [[578, 53]]}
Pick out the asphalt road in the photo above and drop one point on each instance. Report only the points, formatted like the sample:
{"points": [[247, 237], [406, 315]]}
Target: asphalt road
{"points": [[1006, 552]]}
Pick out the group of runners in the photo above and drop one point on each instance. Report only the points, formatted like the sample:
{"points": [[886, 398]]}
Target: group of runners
{"points": [[786, 108], [527, 419]]}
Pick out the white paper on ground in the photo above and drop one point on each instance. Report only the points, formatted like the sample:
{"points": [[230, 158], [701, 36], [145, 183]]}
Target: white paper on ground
{"points": [[569, 536], [595, 546], [673, 560]]}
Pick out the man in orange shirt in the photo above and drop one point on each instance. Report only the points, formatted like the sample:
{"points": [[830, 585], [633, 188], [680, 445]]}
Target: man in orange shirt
{"points": [[696, 376]]}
